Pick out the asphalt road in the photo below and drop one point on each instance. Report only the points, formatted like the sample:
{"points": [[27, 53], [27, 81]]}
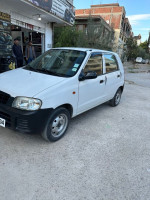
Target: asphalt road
{"points": [[105, 155]]}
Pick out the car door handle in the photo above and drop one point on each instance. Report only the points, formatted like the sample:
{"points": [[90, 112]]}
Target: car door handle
{"points": [[101, 81], [118, 75], [105, 80]]}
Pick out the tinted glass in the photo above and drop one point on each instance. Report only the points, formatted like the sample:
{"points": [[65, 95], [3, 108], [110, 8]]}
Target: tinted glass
{"points": [[58, 62], [110, 63], [95, 64]]}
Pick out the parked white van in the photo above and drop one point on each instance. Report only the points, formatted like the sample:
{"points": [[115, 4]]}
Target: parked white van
{"points": [[60, 84]]}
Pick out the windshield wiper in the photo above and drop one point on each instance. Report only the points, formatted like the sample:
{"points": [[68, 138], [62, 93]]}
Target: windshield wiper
{"points": [[30, 68], [58, 74], [46, 71], [43, 70], [49, 72]]}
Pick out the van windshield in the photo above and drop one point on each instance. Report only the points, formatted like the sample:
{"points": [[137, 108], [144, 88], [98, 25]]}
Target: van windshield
{"points": [[58, 62]]}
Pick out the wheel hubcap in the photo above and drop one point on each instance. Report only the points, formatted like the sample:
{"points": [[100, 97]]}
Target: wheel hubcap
{"points": [[59, 125], [117, 99]]}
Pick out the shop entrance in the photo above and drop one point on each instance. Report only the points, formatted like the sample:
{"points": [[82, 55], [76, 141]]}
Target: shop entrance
{"points": [[25, 35], [5, 41]]}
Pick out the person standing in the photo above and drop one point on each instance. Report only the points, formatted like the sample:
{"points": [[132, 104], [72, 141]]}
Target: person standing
{"points": [[30, 52], [17, 53]]}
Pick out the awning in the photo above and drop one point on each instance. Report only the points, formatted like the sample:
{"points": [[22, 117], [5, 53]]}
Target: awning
{"points": [[27, 9]]}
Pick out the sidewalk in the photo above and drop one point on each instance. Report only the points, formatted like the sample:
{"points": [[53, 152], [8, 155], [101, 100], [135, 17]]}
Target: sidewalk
{"points": [[138, 74]]}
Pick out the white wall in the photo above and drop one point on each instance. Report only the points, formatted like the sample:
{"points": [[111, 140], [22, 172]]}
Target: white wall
{"points": [[48, 36]]}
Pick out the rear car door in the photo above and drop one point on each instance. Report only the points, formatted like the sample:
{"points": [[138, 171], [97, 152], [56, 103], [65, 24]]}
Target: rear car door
{"points": [[92, 91], [112, 75]]}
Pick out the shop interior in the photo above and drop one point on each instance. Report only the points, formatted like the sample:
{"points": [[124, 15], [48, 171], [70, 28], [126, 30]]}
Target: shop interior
{"points": [[25, 35]]}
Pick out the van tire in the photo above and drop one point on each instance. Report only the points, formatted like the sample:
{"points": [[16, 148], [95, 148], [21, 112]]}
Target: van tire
{"points": [[116, 100], [57, 125]]}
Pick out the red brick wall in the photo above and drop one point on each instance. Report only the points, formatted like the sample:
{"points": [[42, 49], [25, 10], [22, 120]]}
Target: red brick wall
{"points": [[115, 22], [101, 10], [113, 14]]}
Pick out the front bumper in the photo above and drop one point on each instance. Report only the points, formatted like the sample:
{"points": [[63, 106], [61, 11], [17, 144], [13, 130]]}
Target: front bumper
{"points": [[25, 121]]}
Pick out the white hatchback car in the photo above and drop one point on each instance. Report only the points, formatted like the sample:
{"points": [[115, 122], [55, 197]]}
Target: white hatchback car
{"points": [[60, 84]]}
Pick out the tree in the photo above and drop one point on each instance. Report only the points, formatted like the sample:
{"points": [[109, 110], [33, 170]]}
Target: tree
{"points": [[94, 36], [98, 36], [65, 37], [134, 51], [132, 48], [144, 45]]}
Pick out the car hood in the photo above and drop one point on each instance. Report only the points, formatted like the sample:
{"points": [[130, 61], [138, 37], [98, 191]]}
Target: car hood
{"points": [[21, 82]]}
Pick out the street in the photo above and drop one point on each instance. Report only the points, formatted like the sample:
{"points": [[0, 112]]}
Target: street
{"points": [[104, 155]]}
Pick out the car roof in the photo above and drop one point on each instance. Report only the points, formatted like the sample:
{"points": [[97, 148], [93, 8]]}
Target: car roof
{"points": [[85, 49]]}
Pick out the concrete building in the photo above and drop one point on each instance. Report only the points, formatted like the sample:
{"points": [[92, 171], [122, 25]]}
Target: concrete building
{"points": [[82, 21], [98, 23], [138, 39], [115, 16], [32, 20]]}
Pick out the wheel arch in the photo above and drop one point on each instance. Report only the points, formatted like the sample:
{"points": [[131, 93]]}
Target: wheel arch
{"points": [[68, 107], [121, 88]]}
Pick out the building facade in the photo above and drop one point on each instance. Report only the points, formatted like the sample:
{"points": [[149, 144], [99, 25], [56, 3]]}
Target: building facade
{"points": [[32, 20], [138, 39], [82, 22], [98, 26], [115, 16]]}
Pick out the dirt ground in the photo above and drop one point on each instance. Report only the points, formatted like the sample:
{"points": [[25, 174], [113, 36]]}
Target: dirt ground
{"points": [[105, 154]]}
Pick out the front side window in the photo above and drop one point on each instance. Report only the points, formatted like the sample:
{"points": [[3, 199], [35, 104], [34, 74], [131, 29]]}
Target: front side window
{"points": [[95, 64], [110, 63], [58, 62]]}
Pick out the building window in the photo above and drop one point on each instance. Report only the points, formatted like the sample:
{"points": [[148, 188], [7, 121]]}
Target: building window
{"points": [[80, 27]]}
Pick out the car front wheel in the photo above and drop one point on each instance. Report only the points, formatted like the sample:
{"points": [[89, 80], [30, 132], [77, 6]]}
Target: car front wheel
{"points": [[57, 125]]}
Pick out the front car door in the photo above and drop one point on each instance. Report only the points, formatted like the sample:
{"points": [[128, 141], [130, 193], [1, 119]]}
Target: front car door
{"points": [[92, 91]]}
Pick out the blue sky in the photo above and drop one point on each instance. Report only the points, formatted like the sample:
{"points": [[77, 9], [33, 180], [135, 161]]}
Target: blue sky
{"points": [[138, 12]]}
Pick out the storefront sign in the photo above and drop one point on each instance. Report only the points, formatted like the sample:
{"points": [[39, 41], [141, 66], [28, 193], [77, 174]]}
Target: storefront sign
{"points": [[26, 26], [5, 35], [61, 8], [5, 17]]}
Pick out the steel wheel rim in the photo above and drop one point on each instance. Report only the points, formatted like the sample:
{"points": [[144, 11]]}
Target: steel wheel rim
{"points": [[117, 99], [59, 125]]}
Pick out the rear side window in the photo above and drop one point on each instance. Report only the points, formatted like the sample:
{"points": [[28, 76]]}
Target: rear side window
{"points": [[95, 64], [110, 63]]}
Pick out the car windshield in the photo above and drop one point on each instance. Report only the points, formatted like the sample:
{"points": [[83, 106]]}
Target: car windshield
{"points": [[58, 62]]}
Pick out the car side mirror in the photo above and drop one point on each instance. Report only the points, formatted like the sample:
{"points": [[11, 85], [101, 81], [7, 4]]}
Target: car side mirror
{"points": [[88, 75], [91, 75]]}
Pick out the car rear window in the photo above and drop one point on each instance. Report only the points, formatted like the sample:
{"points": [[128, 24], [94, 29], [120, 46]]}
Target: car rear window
{"points": [[111, 64]]}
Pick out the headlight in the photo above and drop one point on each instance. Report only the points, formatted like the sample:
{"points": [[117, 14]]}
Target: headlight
{"points": [[25, 103]]}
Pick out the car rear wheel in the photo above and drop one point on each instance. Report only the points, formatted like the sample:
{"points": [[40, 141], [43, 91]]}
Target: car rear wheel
{"points": [[57, 125], [116, 100]]}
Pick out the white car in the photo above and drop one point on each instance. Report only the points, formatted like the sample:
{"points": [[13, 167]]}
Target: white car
{"points": [[60, 84], [138, 60]]}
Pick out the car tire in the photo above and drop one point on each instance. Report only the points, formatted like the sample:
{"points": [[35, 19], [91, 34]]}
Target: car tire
{"points": [[57, 125], [116, 100]]}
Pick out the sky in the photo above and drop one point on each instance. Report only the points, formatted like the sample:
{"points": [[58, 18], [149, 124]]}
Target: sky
{"points": [[138, 12]]}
